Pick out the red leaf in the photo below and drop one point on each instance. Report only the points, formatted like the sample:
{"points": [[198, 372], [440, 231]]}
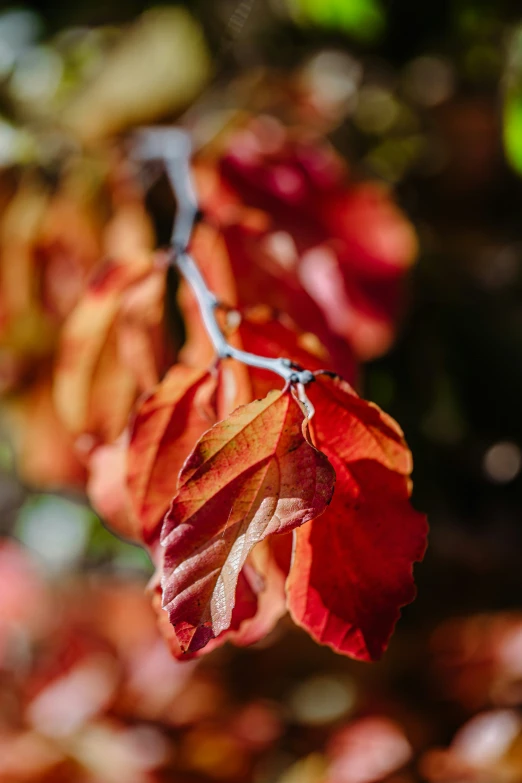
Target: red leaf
{"points": [[246, 270], [377, 241], [248, 477], [263, 333], [166, 426], [352, 570], [353, 429], [261, 276], [330, 253]]}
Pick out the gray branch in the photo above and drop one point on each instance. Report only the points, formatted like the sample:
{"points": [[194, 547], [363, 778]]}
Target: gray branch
{"points": [[172, 147]]}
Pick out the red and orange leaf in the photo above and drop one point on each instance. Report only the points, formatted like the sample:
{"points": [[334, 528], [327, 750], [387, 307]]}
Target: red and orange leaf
{"points": [[142, 339], [265, 334], [352, 570], [234, 385], [260, 599], [166, 426], [249, 476], [93, 387], [245, 609]]}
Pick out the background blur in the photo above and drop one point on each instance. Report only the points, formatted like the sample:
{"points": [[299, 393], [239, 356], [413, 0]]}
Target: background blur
{"points": [[426, 97]]}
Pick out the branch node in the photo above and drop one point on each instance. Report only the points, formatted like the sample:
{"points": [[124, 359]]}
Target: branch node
{"points": [[305, 376]]}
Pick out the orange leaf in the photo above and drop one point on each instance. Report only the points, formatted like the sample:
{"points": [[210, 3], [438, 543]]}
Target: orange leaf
{"points": [[248, 477], [142, 338], [94, 388], [44, 449], [166, 426], [265, 334]]}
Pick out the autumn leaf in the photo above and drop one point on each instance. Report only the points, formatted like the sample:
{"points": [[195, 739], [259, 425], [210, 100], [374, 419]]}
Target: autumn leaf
{"points": [[355, 429], [94, 386], [107, 489], [44, 450], [260, 598], [262, 275], [249, 476], [271, 561], [256, 610], [166, 426], [352, 570], [264, 333], [328, 252], [143, 346], [376, 239]]}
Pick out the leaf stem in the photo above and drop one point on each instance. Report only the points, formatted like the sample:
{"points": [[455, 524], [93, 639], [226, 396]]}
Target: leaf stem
{"points": [[172, 146]]}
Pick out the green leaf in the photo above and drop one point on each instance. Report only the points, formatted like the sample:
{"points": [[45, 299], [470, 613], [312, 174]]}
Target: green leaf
{"points": [[363, 19], [513, 130]]}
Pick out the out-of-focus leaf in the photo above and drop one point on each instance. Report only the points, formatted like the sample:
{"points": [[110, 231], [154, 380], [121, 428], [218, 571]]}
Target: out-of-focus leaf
{"points": [[159, 66], [304, 240], [476, 660], [44, 450], [311, 769], [27, 756], [103, 360], [367, 750], [487, 747], [512, 129], [107, 488], [363, 19], [75, 696], [25, 601]]}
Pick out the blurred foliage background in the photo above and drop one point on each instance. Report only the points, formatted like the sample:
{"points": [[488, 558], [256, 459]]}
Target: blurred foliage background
{"points": [[426, 97]]}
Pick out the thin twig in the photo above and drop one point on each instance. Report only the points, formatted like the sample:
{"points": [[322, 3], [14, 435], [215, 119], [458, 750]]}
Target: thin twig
{"points": [[172, 147]]}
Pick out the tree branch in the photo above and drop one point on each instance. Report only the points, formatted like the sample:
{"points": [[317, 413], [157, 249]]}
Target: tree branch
{"points": [[173, 148]]}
